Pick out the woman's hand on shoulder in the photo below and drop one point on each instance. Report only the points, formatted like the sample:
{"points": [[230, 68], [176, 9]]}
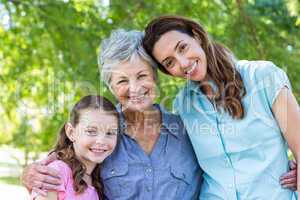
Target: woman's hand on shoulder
{"points": [[40, 177]]}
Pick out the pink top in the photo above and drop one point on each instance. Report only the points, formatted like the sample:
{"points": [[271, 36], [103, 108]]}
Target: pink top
{"points": [[66, 190]]}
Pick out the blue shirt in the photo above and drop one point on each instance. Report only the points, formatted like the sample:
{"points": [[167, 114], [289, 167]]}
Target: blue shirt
{"points": [[171, 171], [241, 159]]}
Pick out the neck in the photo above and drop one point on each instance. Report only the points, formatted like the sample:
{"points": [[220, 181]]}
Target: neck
{"points": [[89, 168], [138, 123], [141, 117]]}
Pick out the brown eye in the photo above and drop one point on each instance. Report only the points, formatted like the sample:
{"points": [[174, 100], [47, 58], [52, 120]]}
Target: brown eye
{"points": [[169, 63], [91, 132], [110, 133], [182, 48]]}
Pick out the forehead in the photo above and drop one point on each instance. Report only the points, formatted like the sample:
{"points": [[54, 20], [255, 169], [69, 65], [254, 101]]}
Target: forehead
{"points": [[167, 42], [131, 67], [97, 117]]}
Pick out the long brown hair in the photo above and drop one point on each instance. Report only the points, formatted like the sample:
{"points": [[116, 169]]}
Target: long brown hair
{"points": [[220, 63], [64, 146]]}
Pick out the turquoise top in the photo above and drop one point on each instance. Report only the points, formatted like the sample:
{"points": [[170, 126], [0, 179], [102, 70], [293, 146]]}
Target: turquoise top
{"points": [[241, 159]]}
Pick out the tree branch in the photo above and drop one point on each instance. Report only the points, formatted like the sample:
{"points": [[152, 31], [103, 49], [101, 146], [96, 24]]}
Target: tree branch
{"points": [[251, 29]]}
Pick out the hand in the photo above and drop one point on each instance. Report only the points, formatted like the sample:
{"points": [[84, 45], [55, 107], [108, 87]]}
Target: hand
{"points": [[289, 179], [40, 178]]}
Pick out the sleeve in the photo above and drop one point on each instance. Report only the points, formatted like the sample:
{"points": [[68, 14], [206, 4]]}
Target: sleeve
{"points": [[65, 174], [273, 80]]}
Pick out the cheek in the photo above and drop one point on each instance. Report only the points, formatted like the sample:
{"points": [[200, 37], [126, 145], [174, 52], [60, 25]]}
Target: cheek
{"points": [[85, 141], [111, 143], [120, 91], [175, 71], [151, 85]]}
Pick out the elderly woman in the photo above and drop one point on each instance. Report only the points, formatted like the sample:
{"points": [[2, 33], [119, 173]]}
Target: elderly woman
{"points": [[154, 158]]}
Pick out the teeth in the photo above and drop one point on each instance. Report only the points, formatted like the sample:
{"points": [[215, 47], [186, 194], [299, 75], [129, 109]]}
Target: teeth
{"points": [[138, 97], [98, 150], [192, 69]]}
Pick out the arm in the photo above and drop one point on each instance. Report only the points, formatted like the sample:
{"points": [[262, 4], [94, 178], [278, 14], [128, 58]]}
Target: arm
{"points": [[51, 196], [286, 112], [39, 176]]}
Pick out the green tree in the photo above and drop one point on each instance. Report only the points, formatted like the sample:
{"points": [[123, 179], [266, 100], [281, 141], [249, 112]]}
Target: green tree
{"points": [[48, 52]]}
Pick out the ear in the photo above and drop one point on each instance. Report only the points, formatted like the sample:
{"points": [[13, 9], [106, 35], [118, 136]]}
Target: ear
{"points": [[70, 131]]}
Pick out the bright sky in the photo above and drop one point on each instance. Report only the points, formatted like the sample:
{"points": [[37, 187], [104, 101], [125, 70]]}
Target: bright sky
{"points": [[4, 17]]}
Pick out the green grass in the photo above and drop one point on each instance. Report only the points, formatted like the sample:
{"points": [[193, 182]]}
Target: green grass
{"points": [[10, 180]]}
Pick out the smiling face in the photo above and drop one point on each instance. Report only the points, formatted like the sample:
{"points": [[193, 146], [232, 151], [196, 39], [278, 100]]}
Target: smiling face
{"points": [[133, 84], [181, 55], [94, 137]]}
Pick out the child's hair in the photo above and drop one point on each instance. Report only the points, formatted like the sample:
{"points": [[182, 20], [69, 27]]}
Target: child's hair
{"points": [[64, 147]]}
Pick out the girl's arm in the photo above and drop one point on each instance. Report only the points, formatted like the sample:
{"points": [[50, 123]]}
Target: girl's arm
{"points": [[51, 196], [287, 114]]}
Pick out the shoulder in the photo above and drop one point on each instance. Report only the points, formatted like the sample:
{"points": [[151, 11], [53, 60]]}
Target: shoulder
{"points": [[170, 117], [172, 122], [59, 164], [181, 98], [257, 70], [63, 168]]}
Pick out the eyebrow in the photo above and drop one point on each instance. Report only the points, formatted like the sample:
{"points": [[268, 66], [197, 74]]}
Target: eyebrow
{"points": [[176, 46], [93, 127], [142, 71], [121, 77]]}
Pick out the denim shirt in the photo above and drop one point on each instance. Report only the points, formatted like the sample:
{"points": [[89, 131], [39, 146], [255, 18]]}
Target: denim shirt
{"points": [[241, 159], [171, 171]]}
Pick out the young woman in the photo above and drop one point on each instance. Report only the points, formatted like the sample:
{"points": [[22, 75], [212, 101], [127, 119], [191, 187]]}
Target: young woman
{"points": [[239, 115], [84, 142]]}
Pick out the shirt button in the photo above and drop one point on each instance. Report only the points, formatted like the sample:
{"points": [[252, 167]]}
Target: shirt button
{"points": [[148, 188], [112, 171], [149, 170]]}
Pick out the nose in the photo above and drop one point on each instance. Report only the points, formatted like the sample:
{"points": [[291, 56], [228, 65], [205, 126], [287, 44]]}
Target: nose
{"points": [[101, 140], [133, 87], [183, 62]]}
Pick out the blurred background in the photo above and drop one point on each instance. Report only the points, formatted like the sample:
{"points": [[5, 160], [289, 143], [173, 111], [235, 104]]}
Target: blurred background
{"points": [[48, 59]]}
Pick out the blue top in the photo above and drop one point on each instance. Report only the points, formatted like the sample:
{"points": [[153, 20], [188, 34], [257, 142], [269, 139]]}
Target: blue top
{"points": [[170, 172], [241, 159]]}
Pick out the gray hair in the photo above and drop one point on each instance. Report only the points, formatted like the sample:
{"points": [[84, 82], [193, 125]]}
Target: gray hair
{"points": [[120, 47]]}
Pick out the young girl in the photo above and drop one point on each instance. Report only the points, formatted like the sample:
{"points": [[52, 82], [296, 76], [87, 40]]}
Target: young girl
{"points": [[84, 142], [241, 116]]}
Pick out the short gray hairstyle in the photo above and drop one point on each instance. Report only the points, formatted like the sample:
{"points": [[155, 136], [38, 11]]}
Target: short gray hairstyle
{"points": [[120, 47]]}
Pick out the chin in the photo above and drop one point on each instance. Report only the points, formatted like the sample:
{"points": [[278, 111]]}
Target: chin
{"points": [[97, 159], [140, 106]]}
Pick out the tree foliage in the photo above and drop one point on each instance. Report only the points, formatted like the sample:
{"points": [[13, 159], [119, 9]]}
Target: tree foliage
{"points": [[48, 51]]}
